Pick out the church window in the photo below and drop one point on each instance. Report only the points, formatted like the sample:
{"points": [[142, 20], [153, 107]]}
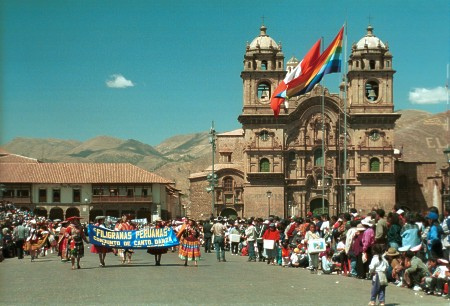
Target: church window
{"points": [[264, 135], [372, 64], [357, 64], [374, 135], [264, 92], [228, 184], [372, 91], [388, 64], [264, 65], [249, 65], [318, 158], [374, 165], [279, 64], [264, 165], [292, 156]]}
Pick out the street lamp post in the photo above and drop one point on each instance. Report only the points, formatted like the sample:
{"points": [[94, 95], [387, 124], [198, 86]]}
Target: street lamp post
{"points": [[348, 192], [269, 195], [212, 178]]}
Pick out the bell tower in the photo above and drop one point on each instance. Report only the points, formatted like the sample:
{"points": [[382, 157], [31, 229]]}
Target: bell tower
{"points": [[372, 120], [370, 76], [263, 70]]}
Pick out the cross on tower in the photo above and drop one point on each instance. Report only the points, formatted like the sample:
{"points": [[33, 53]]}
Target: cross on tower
{"points": [[263, 19], [370, 19]]}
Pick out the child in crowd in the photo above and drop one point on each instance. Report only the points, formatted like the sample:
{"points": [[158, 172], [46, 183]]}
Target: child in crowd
{"points": [[285, 254], [294, 259], [435, 283], [378, 267], [328, 266], [303, 260]]}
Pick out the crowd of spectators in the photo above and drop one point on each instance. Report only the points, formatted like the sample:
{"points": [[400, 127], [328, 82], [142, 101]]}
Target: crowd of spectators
{"points": [[415, 246]]}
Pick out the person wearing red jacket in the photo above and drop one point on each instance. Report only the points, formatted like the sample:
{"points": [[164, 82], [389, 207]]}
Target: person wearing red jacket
{"points": [[271, 238]]}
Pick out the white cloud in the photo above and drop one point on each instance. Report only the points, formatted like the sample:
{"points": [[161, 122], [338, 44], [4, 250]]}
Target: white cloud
{"points": [[428, 96], [118, 81]]}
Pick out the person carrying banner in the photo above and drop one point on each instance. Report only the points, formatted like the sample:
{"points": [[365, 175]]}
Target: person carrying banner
{"points": [[125, 225], [100, 250], [76, 236], [158, 251], [189, 244]]}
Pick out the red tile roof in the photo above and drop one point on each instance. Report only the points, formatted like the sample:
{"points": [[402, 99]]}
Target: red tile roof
{"points": [[14, 158], [81, 173]]}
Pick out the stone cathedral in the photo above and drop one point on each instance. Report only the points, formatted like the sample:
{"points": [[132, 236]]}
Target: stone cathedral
{"points": [[294, 163]]}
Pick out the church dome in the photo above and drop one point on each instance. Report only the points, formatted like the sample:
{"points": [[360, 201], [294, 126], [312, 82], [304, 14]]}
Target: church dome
{"points": [[263, 41], [370, 41], [293, 61]]}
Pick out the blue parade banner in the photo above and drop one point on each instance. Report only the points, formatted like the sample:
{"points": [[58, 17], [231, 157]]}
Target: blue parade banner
{"points": [[138, 239]]}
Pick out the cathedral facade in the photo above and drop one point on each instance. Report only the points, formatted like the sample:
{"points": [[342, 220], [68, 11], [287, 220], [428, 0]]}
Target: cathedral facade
{"points": [[325, 152]]}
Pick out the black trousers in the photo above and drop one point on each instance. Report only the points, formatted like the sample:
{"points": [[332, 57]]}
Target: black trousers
{"points": [[260, 249], [208, 244], [19, 247]]}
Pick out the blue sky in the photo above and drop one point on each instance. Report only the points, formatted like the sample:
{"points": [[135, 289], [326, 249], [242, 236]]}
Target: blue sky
{"points": [[148, 70]]}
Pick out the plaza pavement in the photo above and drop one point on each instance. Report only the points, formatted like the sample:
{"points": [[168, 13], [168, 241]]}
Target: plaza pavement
{"points": [[47, 281]]}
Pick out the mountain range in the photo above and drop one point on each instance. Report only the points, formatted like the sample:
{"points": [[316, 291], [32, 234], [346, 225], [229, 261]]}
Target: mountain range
{"points": [[421, 136]]}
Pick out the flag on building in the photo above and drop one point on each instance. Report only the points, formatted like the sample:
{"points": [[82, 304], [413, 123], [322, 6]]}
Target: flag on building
{"points": [[328, 62], [279, 94]]}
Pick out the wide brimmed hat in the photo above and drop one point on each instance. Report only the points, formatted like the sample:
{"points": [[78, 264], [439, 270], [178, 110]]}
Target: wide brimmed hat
{"points": [[391, 252], [360, 227], [158, 220], [367, 221], [100, 218], [73, 218], [57, 220]]}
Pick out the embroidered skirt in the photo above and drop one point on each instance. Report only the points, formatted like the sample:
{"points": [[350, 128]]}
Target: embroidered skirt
{"points": [[189, 249]]}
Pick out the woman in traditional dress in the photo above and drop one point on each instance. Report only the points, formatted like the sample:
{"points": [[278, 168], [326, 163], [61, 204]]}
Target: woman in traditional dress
{"points": [[189, 249], [75, 240], [158, 251], [36, 240], [32, 240], [98, 249], [126, 225], [62, 241]]}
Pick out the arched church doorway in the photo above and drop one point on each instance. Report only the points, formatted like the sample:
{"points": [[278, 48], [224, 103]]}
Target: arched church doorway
{"points": [[229, 213], [315, 206]]}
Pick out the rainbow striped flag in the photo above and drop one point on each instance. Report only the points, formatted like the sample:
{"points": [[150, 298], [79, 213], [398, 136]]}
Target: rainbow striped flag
{"points": [[328, 62]]}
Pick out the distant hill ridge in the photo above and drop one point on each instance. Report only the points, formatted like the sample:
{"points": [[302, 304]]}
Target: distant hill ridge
{"points": [[422, 135]]}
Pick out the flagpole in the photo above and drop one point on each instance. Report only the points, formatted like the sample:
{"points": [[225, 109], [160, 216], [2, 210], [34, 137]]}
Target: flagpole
{"points": [[344, 174], [323, 141]]}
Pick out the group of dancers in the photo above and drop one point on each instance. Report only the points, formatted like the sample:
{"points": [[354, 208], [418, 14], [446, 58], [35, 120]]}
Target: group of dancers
{"points": [[72, 236]]}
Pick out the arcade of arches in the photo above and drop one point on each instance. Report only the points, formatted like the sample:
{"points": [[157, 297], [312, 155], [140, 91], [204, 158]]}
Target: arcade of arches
{"points": [[61, 213]]}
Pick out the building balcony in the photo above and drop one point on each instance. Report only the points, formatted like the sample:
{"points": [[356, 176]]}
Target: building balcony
{"points": [[121, 199], [16, 200]]}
